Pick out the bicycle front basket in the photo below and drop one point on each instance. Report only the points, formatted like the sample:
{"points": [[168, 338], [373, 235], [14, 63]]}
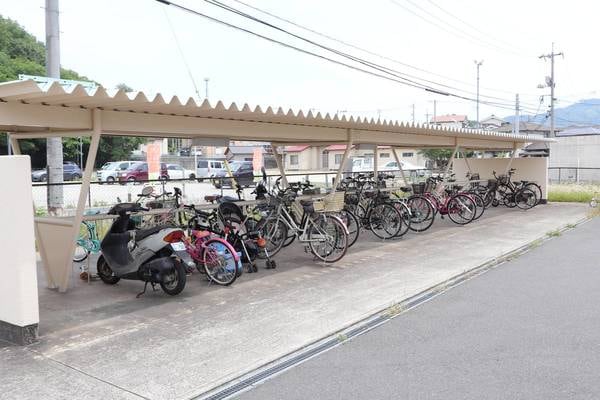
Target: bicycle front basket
{"points": [[418, 188]]}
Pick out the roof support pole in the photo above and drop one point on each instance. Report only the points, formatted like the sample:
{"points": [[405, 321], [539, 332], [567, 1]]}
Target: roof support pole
{"points": [[375, 162], [451, 160], [338, 175], [83, 193], [467, 162], [394, 150], [512, 157], [279, 161]]}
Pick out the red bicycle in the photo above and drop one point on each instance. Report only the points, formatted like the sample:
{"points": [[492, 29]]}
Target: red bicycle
{"points": [[459, 207]]}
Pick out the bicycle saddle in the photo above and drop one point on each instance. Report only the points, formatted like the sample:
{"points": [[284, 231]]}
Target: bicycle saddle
{"points": [[212, 197], [405, 189]]}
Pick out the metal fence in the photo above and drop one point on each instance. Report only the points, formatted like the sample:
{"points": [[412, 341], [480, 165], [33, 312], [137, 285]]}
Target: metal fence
{"points": [[102, 196], [589, 175]]}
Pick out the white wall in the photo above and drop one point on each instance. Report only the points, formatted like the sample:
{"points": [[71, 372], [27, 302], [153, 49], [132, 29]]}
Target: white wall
{"points": [[18, 286], [531, 169], [573, 151]]}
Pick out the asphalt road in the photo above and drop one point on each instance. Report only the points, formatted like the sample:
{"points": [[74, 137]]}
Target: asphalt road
{"points": [[529, 329]]}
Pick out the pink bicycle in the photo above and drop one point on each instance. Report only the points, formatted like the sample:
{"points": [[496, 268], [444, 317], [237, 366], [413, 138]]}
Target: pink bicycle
{"points": [[218, 259]]}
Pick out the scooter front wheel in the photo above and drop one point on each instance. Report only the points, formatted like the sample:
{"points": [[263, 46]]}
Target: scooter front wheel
{"points": [[105, 272], [174, 282]]}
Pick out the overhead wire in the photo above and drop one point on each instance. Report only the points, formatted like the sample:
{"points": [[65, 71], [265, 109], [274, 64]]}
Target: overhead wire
{"points": [[384, 71], [362, 49], [396, 73]]}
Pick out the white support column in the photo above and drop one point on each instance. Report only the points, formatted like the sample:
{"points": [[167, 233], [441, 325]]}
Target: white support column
{"points": [[279, 161], [512, 157], [83, 193], [340, 170], [467, 162], [399, 166], [375, 162], [451, 161]]}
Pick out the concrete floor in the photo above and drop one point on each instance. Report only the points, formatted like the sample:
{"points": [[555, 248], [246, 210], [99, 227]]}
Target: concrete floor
{"points": [[177, 347], [525, 330]]}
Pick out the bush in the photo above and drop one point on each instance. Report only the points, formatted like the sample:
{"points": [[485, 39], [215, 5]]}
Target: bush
{"points": [[573, 193]]}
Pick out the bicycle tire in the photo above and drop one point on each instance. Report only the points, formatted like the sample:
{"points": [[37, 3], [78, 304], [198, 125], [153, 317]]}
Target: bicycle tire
{"points": [[82, 251], [406, 218], [225, 272], [352, 224], [480, 203], [536, 189], [335, 236], [275, 236], [525, 199], [459, 204], [422, 213], [384, 221]]}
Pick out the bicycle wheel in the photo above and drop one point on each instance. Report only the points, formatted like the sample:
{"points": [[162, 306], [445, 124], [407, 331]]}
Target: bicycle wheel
{"points": [[327, 238], [384, 221], [536, 189], [526, 199], [405, 213], [480, 203], [352, 224], [83, 245], [461, 209], [506, 196], [275, 232], [219, 262], [422, 213]]}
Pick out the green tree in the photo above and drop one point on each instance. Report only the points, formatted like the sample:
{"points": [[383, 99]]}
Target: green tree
{"points": [[22, 53]]}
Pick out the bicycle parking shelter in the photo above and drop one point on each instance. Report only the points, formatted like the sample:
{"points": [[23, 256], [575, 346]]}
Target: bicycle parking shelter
{"points": [[31, 110]]}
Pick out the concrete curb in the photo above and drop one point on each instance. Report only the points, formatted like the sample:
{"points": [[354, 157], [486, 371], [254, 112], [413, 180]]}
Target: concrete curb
{"points": [[305, 353]]}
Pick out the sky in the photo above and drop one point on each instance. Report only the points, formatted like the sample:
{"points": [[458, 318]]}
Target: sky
{"points": [[157, 48]]}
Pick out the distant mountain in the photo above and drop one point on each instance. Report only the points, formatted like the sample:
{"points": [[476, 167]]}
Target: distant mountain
{"points": [[585, 112]]}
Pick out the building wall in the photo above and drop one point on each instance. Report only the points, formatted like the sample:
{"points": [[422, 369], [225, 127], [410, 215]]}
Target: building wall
{"points": [[573, 151], [533, 169]]}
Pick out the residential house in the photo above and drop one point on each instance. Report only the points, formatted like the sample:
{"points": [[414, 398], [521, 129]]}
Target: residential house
{"points": [[453, 121], [491, 123]]}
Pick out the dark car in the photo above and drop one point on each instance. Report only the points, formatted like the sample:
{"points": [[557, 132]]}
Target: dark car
{"points": [[139, 172], [71, 172], [242, 171]]}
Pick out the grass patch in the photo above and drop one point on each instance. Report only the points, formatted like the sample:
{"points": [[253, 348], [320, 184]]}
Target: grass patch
{"points": [[554, 233], [573, 193]]}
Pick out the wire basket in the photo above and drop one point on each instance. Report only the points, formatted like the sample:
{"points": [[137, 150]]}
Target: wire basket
{"points": [[333, 202], [418, 188]]}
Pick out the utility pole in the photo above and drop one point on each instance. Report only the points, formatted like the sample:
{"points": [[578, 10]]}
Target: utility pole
{"points": [[550, 82], [517, 123], [434, 110], [413, 113], [8, 148], [427, 116], [478, 64], [54, 150]]}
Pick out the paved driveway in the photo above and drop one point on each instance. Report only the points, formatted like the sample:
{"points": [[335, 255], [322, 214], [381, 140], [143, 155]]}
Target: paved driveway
{"points": [[183, 346], [525, 330]]}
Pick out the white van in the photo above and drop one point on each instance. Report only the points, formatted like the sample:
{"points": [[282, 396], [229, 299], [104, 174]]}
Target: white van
{"points": [[209, 168], [109, 172]]}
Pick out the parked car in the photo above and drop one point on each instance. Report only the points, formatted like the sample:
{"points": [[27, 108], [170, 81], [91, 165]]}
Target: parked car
{"points": [[110, 171], [209, 168], [139, 172], [406, 166], [242, 171], [71, 172], [176, 171]]}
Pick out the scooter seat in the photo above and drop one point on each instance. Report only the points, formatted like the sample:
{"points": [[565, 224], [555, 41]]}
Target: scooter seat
{"points": [[212, 197], [142, 234]]}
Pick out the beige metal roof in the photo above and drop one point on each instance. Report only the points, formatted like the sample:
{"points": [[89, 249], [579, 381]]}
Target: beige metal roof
{"points": [[28, 108]]}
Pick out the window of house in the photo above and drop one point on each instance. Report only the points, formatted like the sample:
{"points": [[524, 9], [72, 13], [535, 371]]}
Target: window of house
{"points": [[293, 159], [408, 154], [384, 155], [338, 159]]}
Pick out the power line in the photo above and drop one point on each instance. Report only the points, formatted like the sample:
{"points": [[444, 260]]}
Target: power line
{"points": [[362, 49], [453, 30], [396, 73], [384, 70], [474, 28]]}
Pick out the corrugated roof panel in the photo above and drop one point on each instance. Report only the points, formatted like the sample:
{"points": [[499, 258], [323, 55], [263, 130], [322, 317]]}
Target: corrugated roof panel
{"points": [[78, 96]]}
